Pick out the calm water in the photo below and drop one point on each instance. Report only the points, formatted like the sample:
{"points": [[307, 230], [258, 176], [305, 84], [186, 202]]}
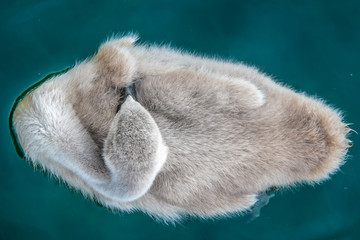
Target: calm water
{"points": [[313, 47]]}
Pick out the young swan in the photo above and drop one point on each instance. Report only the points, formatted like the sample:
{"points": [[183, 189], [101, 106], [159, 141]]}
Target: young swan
{"points": [[198, 136]]}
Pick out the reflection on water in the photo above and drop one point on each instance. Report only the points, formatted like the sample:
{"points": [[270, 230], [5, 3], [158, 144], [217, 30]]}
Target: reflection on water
{"points": [[12, 230]]}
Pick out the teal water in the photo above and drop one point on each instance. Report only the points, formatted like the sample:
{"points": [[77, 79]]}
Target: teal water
{"points": [[313, 46]]}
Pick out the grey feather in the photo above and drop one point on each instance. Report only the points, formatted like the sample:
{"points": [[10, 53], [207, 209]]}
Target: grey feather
{"points": [[204, 137]]}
